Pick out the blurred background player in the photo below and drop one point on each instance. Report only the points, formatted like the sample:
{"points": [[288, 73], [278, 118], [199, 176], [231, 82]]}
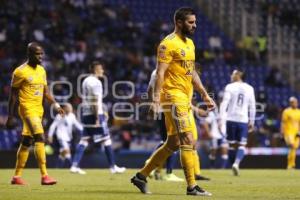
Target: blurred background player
{"points": [[62, 127], [173, 89], [94, 120], [216, 131], [238, 109], [290, 127], [29, 86]]}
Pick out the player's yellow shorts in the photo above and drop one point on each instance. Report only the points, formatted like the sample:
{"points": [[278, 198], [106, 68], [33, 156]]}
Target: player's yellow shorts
{"points": [[32, 122], [179, 118], [292, 140]]}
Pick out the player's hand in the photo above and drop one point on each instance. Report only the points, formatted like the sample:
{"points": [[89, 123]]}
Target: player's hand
{"points": [[154, 109], [250, 128], [10, 123], [50, 140], [200, 112], [209, 102]]}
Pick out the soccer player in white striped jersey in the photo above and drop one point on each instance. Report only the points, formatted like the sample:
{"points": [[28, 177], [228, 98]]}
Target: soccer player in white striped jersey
{"points": [[238, 109], [62, 127]]}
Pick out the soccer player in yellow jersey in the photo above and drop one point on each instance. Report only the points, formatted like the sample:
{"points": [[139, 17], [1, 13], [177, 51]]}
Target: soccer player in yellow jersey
{"points": [[29, 85], [290, 127], [175, 81]]}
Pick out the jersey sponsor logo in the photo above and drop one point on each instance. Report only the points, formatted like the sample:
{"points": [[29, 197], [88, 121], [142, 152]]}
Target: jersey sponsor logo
{"points": [[188, 73]]}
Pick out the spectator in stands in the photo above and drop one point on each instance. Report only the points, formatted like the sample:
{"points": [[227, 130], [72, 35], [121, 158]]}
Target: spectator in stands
{"points": [[275, 78]]}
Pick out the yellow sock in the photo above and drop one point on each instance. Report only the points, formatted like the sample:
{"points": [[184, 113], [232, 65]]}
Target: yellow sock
{"points": [[197, 169], [22, 157], [187, 163], [39, 151], [292, 158], [156, 160]]}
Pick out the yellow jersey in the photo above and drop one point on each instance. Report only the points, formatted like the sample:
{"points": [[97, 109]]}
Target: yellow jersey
{"points": [[291, 121], [180, 55], [30, 82]]}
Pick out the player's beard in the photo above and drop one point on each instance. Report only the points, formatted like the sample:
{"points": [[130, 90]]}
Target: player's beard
{"points": [[188, 32]]}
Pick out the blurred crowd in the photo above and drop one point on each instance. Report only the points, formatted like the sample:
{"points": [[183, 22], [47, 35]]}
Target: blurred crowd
{"points": [[74, 33]]}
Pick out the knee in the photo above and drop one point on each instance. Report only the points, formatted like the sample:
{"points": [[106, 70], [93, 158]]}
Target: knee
{"points": [[84, 142], [174, 146], [186, 139], [27, 141], [39, 138], [173, 143]]}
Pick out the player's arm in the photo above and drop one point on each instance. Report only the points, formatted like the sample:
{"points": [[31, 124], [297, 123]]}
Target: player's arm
{"points": [[199, 111], [206, 125], [13, 95], [150, 89], [51, 100], [283, 122], [16, 83], [76, 123], [224, 103], [197, 83], [158, 82], [252, 111], [52, 129]]}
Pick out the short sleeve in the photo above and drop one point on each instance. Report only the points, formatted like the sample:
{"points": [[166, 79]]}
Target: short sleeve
{"points": [[284, 116], [45, 77], [164, 52], [17, 78]]}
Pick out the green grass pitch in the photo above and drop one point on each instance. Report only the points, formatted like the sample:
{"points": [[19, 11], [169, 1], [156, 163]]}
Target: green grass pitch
{"points": [[101, 185]]}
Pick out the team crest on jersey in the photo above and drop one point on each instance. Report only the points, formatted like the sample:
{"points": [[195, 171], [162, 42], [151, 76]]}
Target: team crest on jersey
{"points": [[162, 51], [30, 78], [182, 52]]}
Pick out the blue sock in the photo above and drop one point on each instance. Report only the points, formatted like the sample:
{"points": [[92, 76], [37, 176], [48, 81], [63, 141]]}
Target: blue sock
{"points": [[78, 154], [240, 154], [109, 155], [170, 163], [231, 155], [224, 159]]}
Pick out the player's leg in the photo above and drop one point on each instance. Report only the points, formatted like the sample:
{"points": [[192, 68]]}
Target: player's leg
{"points": [[224, 153], [102, 135], [35, 125], [213, 152], [22, 156], [292, 144], [231, 138], [156, 159], [186, 129], [79, 151], [197, 160], [88, 131], [242, 141], [64, 153]]}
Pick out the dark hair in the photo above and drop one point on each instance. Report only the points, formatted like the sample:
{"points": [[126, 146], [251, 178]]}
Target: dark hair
{"points": [[94, 64], [242, 73], [181, 13]]}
